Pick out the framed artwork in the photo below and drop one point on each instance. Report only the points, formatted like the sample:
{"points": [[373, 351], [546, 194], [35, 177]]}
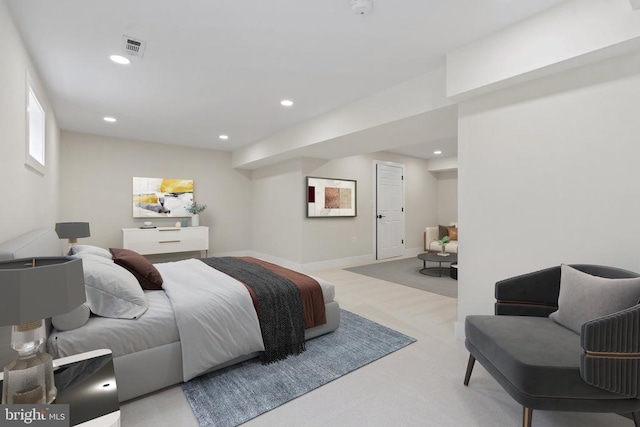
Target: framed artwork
{"points": [[330, 198], [161, 197]]}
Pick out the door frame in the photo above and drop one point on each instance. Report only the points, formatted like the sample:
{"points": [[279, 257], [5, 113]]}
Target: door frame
{"points": [[374, 202]]}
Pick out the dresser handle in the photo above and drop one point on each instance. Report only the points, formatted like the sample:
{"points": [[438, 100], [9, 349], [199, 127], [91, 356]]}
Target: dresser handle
{"points": [[168, 229], [169, 241]]}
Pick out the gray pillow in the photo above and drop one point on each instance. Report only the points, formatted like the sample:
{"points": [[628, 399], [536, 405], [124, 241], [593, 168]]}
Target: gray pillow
{"points": [[111, 290], [89, 249], [584, 297], [73, 319]]}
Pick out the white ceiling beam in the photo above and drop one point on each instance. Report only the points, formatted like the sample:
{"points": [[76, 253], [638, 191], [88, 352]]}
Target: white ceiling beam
{"points": [[572, 34], [443, 164], [320, 135]]}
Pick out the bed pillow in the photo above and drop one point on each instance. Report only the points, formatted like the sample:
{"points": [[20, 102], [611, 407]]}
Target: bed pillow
{"points": [[91, 255], [148, 276], [88, 249], [584, 297], [73, 319], [111, 290]]}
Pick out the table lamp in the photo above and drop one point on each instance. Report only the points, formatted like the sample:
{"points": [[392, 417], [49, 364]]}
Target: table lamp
{"points": [[31, 290], [72, 230]]}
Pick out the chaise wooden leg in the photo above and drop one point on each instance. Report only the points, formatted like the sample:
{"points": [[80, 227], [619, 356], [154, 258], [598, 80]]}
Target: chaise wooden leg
{"points": [[470, 363], [526, 416], [636, 418]]}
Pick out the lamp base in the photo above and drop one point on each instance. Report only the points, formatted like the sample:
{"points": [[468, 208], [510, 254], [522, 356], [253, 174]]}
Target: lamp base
{"points": [[29, 380]]}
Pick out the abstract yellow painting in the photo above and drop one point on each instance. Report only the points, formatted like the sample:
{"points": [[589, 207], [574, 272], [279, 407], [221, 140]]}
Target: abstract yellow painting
{"points": [[161, 197]]}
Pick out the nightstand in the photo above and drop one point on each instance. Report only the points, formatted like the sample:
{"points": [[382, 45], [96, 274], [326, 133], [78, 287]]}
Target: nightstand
{"points": [[164, 240], [87, 383]]}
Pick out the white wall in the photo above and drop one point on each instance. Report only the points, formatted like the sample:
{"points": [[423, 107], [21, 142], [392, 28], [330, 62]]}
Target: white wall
{"points": [[571, 34], [280, 227], [96, 184], [326, 239], [262, 210], [447, 197], [30, 199], [277, 210], [332, 238], [549, 174]]}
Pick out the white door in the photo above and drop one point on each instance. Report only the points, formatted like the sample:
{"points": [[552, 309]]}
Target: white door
{"points": [[389, 211]]}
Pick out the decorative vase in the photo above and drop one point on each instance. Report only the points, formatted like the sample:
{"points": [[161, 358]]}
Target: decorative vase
{"points": [[195, 220], [442, 251]]}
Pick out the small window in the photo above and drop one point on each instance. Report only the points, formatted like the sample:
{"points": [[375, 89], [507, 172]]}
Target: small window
{"points": [[36, 139]]}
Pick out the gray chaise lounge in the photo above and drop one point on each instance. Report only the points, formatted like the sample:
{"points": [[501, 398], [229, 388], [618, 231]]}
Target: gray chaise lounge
{"points": [[538, 362]]}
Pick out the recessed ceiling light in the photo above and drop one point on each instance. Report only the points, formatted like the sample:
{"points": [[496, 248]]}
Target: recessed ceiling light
{"points": [[119, 59], [225, 137], [286, 103], [109, 119], [437, 152]]}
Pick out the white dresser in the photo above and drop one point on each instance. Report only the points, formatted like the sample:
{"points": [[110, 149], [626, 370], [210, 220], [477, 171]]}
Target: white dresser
{"points": [[162, 240]]}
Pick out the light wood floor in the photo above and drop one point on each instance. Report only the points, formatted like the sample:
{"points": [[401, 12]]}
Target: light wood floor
{"points": [[419, 385]]}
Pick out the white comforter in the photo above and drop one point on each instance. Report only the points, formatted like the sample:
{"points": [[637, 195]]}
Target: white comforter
{"points": [[214, 313]]}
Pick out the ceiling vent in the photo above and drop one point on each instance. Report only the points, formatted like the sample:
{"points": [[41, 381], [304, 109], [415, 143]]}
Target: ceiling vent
{"points": [[133, 47]]}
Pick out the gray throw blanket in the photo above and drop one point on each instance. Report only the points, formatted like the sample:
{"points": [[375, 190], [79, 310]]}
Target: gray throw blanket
{"points": [[279, 306]]}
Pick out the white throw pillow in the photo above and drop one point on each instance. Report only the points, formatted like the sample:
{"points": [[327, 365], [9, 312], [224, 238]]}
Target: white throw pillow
{"points": [[111, 290], [88, 249], [584, 297], [73, 319]]}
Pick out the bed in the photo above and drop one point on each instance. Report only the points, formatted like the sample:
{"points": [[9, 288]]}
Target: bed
{"points": [[150, 351]]}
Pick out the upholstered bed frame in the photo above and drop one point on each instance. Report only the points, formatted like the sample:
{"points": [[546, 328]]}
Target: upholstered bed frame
{"points": [[134, 374]]}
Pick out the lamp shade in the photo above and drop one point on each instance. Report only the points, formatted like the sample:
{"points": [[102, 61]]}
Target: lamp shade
{"points": [[38, 288], [72, 230]]}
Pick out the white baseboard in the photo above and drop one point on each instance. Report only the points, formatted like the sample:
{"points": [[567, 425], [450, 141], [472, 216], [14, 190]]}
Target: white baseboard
{"points": [[318, 265], [338, 262], [276, 260], [234, 253], [413, 252], [351, 261], [266, 257]]}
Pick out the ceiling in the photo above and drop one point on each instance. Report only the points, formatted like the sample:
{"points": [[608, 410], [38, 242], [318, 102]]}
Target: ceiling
{"points": [[222, 67]]}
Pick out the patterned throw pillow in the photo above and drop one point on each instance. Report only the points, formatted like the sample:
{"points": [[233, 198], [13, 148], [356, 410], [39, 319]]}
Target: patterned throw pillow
{"points": [[453, 233]]}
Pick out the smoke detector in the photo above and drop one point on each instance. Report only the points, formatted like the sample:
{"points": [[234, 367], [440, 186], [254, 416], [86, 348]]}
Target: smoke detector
{"points": [[133, 47], [361, 7]]}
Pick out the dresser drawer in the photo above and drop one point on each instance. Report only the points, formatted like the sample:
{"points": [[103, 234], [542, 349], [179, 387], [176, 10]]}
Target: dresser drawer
{"points": [[165, 239]]}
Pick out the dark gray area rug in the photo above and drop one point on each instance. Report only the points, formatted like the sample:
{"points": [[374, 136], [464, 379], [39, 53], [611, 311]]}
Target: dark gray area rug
{"points": [[406, 272], [236, 394]]}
